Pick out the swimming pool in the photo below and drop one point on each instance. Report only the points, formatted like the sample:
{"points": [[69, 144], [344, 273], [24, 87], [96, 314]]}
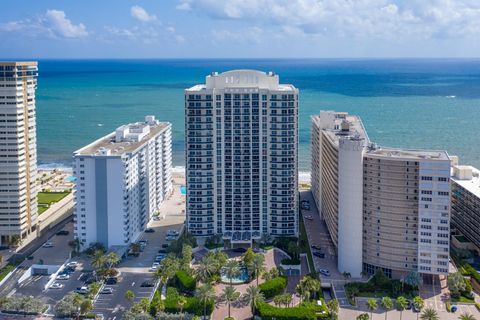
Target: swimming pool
{"points": [[70, 179], [241, 278], [183, 190]]}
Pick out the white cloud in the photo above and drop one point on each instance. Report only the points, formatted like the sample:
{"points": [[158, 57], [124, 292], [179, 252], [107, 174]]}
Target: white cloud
{"points": [[53, 24], [390, 19], [146, 34], [249, 35], [56, 21], [141, 14]]}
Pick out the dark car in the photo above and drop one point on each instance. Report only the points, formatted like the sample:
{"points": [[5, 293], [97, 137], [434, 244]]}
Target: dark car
{"points": [[162, 251], [63, 233], [314, 246], [165, 245], [319, 254], [149, 230], [70, 269], [147, 284], [90, 280], [409, 305], [111, 280], [240, 250]]}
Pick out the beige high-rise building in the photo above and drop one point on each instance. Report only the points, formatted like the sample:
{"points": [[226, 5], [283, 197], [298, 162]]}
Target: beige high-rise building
{"points": [[18, 152], [385, 208]]}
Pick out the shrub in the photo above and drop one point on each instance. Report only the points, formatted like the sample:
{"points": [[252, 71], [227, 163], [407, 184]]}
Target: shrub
{"points": [[155, 304], [305, 311], [477, 305], [448, 306], [193, 305], [6, 270], [184, 282], [293, 261], [273, 287]]}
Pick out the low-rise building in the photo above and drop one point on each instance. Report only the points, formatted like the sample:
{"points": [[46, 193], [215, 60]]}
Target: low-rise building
{"points": [[122, 179], [466, 202]]}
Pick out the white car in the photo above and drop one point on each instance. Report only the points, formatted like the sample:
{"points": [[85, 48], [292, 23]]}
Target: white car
{"points": [[325, 272], [172, 233], [154, 266], [63, 277], [47, 244], [72, 264], [56, 285]]}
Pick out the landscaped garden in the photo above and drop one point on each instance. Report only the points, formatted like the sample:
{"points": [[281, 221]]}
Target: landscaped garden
{"points": [[47, 198], [210, 285]]}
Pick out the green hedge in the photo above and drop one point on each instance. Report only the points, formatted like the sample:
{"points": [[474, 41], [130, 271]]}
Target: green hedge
{"points": [[193, 305], [291, 262], [184, 282], [6, 270], [304, 311], [273, 287]]}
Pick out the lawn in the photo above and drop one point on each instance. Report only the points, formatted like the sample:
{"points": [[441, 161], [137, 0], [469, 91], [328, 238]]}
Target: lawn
{"points": [[45, 199], [463, 299]]}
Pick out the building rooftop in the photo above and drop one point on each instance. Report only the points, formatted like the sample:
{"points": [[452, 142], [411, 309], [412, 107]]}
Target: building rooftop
{"points": [[467, 177], [125, 139], [18, 63], [341, 125], [414, 154], [243, 79]]}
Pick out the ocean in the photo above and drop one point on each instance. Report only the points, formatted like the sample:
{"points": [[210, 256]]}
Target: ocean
{"points": [[408, 103]]}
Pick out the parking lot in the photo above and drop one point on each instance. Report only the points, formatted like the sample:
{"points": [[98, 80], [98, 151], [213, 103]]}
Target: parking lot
{"points": [[136, 270]]}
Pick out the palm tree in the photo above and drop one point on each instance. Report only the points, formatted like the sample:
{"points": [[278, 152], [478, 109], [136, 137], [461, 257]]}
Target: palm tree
{"points": [[402, 304], [229, 295], [169, 266], [429, 314], [258, 264], [333, 306], [205, 269], [387, 304], [252, 296], [363, 316], [205, 294], [232, 270], [181, 301], [418, 304], [372, 306], [129, 295], [306, 286], [112, 259], [98, 259], [467, 316]]}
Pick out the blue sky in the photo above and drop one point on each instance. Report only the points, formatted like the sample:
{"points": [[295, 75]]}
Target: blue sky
{"points": [[239, 28]]}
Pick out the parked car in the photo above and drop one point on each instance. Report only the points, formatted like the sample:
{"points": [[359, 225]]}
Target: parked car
{"points": [[156, 218], [143, 242], [409, 305], [106, 291], [69, 270], [63, 276], [154, 266], [149, 230], [308, 217], [240, 250], [170, 238], [172, 232], [314, 246], [72, 264], [82, 290], [111, 280], [319, 254], [47, 244], [162, 251], [325, 272], [147, 284], [165, 245], [63, 233], [56, 285]]}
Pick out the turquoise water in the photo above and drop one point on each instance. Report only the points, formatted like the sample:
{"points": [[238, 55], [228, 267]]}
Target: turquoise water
{"points": [[183, 190], [241, 278], [403, 103], [70, 179]]}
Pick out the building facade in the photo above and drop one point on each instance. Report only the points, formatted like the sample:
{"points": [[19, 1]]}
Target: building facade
{"points": [[18, 152], [466, 202], [385, 208], [122, 179], [241, 156]]}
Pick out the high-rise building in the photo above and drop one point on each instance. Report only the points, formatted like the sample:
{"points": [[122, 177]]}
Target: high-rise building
{"points": [[241, 156], [385, 208], [18, 152], [466, 202], [122, 179]]}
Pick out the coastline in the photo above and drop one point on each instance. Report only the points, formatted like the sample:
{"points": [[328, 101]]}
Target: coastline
{"points": [[303, 176]]}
